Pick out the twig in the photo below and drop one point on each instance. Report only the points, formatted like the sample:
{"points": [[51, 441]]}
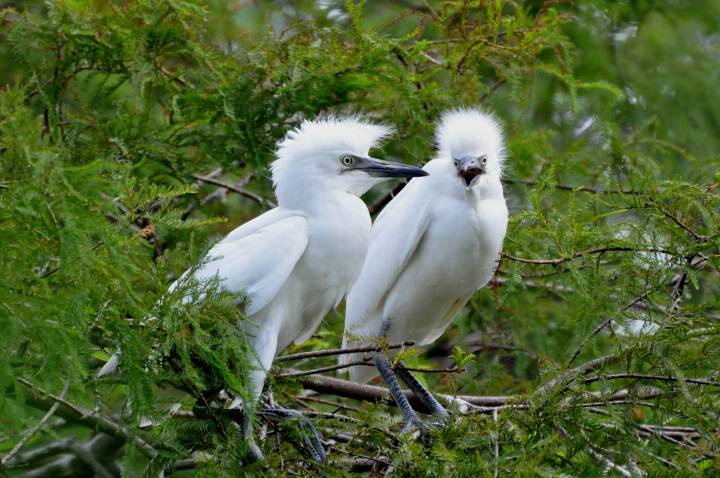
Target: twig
{"points": [[36, 428], [615, 376], [334, 416], [588, 338], [300, 373], [682, 225], [231, 187], [328, 352], [584, 189], [597, 250], [566, 378], [604, 324], [436, 370], [90, 418]]}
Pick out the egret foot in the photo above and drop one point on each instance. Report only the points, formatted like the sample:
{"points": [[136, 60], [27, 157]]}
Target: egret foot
{"points": [[311, 437], [236, 408]]}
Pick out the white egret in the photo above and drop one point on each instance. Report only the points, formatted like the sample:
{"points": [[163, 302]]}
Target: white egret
{"points": [[432, 247], [299, 260]]}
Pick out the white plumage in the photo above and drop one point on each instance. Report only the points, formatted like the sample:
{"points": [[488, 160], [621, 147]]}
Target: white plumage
{"points": [[297, 261], [435, 244]]}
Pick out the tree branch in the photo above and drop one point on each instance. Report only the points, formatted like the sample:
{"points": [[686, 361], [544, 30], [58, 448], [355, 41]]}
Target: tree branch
{"points": [[86, 417], [231, 187], [341, 351], [662, 378], [597, 250], [36, 428]]}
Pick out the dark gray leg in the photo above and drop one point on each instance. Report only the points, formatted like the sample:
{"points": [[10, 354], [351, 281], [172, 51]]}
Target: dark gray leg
{"points": [[311, 436], [422, 393], [411, 418]]}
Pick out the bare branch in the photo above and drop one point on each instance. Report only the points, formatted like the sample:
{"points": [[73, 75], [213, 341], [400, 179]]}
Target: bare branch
{"points": [[616, 376], [372, 393], [584, 189], [36, 428], [597, 250], [87, 417], [330, 352], [300, 373], [231, 187]]}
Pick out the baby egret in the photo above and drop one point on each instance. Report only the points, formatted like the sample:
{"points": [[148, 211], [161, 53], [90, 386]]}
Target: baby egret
{"points": [[432, 247], [299, 260]]}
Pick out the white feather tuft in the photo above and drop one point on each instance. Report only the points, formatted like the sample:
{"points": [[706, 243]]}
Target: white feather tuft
{"points": [[326, 135], [469, 130]]}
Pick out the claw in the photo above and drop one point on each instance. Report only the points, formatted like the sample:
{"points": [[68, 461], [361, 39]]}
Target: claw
{"points": [[311, 437], [417, 429]]}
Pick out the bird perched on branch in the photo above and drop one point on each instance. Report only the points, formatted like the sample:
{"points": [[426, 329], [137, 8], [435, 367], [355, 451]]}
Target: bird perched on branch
{"points": [[432, 247], [297, 261]]}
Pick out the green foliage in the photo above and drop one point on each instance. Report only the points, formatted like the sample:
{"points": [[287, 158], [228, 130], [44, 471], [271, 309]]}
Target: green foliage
{"points": [[109, 114]]}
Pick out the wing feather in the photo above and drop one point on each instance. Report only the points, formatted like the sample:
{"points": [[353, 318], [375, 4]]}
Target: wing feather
{"points": [[396, 234], [258, 256]]}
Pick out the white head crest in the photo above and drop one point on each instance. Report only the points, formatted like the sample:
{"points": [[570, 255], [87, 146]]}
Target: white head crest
{"points": [[309, 155], [471, 131]]}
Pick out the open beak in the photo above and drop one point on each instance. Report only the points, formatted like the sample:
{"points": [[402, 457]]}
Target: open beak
{"points": [[387, 169], [470, 167]]}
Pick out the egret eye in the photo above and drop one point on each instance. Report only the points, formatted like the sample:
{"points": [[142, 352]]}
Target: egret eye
{"points": [[484, 159], [457, 163], [347, 160]]}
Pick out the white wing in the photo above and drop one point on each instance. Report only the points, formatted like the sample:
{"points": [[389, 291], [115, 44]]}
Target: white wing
{"points": [[258, 256], [396, 234]]}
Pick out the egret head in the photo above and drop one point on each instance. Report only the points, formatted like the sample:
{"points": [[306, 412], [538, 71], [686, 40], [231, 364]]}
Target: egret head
{"points": [[333, 153], [473, 141]]}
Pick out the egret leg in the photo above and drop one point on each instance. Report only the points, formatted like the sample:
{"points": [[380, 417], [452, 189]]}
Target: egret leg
{"points": [[237, 410], [255, 452], [411, 417], [422, 393], [311, 437]]}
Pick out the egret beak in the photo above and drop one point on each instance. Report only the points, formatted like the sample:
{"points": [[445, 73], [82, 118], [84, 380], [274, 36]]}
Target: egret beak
{"points": [[470, 167], [386, 169]]}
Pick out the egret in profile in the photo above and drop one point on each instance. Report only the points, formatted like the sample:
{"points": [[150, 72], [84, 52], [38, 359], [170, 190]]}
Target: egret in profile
{"points": [[297, 261], [432, 247]]}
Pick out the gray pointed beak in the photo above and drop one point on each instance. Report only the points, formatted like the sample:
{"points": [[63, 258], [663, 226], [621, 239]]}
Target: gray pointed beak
{"points": [[470, 167], [386, 169]]}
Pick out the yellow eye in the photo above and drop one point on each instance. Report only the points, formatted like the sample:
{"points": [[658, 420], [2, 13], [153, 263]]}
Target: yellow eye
{"points": [[347, 160]]}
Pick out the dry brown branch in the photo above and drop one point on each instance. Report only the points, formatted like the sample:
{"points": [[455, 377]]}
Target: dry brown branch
{"points": [[372, 393]]}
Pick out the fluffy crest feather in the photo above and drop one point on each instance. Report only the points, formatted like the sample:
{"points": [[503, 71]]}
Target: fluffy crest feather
{"points": [[305, 154], [468, 130], [330, 134]]}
